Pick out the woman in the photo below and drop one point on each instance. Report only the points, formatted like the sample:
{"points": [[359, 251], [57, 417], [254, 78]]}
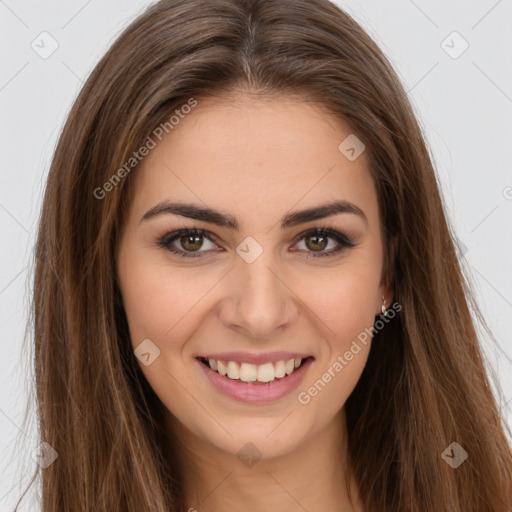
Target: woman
{"points": [[246, 289]]}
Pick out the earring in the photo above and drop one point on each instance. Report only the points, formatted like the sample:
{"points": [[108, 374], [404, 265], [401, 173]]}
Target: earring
{"points": [[383, 308]]}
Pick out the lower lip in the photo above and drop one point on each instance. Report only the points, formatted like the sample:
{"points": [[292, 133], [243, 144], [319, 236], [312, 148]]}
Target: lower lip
{"points": [[256, 392]]}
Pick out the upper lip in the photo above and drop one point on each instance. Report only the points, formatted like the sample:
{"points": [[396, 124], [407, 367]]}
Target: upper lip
{"points": [[258, 359]]}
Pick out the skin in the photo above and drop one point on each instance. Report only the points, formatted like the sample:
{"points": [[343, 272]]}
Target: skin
{"points": [[256, 159]]}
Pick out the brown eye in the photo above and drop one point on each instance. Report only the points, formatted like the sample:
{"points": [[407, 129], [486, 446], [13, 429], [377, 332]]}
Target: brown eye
{"points": [[316, 242], [186, 242], [191, 242]]}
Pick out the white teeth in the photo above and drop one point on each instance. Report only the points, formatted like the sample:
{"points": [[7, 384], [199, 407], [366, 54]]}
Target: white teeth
{"points": [[266, 372], [247, 372], [233, 370], [221, 368], [280, 371]]}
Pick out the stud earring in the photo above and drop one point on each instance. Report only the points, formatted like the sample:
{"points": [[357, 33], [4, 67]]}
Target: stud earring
{"points": [[383, 308]]}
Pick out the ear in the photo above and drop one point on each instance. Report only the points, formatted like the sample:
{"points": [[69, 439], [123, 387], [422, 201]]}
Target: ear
{"points": [[386, 288]]}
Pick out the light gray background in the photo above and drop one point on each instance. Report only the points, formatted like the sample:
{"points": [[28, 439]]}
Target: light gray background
{"points": [[464, 105]]}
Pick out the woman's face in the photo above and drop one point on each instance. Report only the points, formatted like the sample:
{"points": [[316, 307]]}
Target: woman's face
{"points": [[253, 291]]}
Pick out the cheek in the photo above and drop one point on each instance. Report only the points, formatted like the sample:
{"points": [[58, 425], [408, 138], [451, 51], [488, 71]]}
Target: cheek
{"points": [[347, 318], [161, 306], [344, 306], [342, 300], [159, 301]]}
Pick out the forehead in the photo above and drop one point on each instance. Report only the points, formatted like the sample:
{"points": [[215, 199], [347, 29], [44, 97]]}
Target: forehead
{"points": [[254, 156]]}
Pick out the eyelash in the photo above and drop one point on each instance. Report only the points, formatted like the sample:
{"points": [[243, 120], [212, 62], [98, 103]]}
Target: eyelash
{"points": [[343, 241]]}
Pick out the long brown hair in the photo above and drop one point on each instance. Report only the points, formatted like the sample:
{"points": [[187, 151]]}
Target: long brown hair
{"points": [[425, 385]]}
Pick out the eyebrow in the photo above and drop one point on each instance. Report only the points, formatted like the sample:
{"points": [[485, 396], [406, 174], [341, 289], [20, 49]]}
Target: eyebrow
{"points": [[291, 219]]}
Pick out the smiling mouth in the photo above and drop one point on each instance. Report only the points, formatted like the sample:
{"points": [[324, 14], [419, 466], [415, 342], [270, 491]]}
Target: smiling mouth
{"points": [[254, 373]]}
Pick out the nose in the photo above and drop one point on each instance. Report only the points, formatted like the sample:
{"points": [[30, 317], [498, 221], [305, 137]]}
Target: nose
{"points": [[259, 302]]}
